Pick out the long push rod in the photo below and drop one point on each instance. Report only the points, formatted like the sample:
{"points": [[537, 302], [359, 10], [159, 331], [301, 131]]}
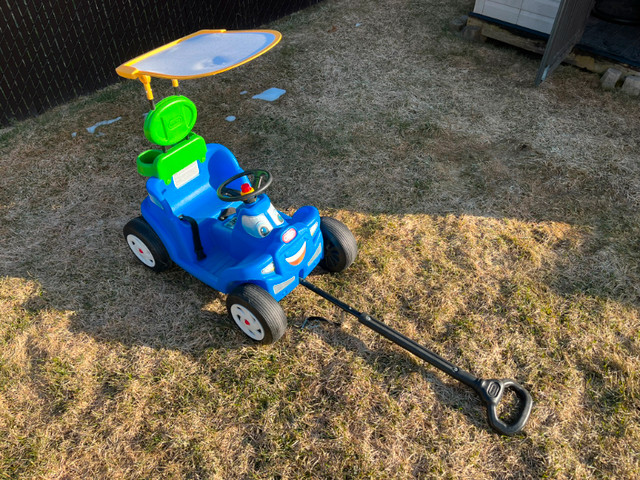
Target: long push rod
{"points": [[491, 391]]}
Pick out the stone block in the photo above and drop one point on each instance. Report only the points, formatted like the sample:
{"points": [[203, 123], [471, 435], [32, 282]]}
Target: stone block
{"points": [[458, 23], [631, 85], [610, 78], [473, 33]]}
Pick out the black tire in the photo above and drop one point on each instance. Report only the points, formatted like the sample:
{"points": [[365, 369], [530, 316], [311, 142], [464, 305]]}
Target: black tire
{"points": [[340, 246], [146, 245], [256, 313]]}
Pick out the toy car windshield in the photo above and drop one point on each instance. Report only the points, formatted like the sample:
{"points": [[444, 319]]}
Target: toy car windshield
{"points": [[204, 53]]}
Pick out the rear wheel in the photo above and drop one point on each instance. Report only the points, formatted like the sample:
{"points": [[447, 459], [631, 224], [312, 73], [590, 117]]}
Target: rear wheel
{"points": [[256, 313], [340, 246], [146, 245]]}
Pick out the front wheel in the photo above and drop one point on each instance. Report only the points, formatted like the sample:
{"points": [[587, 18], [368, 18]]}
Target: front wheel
{"points": [[257, 314], [146, 245], [340, 246]]}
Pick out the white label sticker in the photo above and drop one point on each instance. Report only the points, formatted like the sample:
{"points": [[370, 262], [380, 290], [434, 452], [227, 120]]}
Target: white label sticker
{"points": [[185, 175]]}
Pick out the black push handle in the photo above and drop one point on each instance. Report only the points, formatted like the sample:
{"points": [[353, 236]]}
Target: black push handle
{"points": [[492, 391]]}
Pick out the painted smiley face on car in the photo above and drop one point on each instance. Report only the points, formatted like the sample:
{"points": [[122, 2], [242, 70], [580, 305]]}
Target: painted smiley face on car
{"points": [[296, 258]]}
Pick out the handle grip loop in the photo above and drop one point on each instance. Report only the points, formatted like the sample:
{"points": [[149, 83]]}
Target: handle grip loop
{"points": [[492, 391]]}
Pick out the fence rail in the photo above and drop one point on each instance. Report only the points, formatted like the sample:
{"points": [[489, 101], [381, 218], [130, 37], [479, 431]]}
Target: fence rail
{"points": [[52, 51]]}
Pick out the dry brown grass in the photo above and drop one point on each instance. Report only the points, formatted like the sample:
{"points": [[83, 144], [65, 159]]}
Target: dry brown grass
{"points": [[497, 222]]}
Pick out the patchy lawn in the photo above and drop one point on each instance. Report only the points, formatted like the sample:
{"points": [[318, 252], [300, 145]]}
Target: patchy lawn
{"points": [[497, 223]]}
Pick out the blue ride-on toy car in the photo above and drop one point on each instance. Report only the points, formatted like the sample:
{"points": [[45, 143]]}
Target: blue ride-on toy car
{"points": [[209, 216], [214, 220]]}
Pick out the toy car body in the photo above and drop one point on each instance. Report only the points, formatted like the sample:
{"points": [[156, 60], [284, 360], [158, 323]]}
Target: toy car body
{"points": [[207, 215], [213, 219], [241, 243]]}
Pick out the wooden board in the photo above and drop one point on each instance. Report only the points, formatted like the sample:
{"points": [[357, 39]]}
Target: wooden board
{"points": [[537, 45]]}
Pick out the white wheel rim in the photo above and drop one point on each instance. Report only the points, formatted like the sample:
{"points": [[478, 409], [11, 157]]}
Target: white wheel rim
{"points": [[140, 250], [247, 322]]}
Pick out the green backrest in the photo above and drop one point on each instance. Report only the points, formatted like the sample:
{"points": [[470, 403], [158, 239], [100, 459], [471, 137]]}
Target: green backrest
{"points": [[171, 120], [154, 163], [170, 123]]}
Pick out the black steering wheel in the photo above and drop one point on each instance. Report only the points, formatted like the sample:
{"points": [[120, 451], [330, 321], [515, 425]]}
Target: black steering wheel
{"points": [[259, 180]]}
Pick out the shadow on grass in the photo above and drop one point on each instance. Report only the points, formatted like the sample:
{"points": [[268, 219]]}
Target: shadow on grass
{"points": [[440, 173], [164, 311], [84, 266]]}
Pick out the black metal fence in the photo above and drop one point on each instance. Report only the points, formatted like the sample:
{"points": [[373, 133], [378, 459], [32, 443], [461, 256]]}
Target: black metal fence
{"points": [[54, 50]]}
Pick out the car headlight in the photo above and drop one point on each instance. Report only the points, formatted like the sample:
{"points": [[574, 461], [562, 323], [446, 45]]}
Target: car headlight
{"points": [[268, 269]]}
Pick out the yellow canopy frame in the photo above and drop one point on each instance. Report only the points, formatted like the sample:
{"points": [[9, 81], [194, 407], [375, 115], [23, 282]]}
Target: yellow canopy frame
{"points": [[201, 54]]}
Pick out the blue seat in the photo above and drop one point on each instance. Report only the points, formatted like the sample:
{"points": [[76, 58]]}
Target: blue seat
{"points": [[192, 191]]}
